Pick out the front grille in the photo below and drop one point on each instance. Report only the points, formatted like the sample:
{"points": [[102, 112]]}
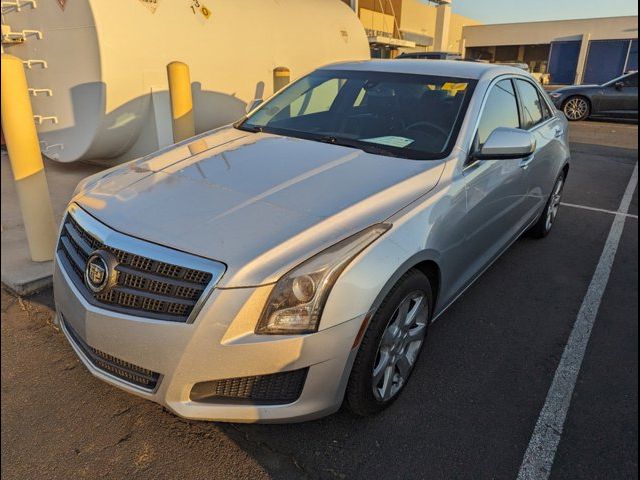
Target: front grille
{"points": [[126, 371], [143, 286], [278, 388]]}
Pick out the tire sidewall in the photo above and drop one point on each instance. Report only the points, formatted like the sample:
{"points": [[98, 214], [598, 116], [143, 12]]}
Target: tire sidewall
{"points": [[561, 178], [539, 230], [359, 396]]}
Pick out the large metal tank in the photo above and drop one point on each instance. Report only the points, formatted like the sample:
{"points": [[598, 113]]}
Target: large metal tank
{"points": [[99, 69]]}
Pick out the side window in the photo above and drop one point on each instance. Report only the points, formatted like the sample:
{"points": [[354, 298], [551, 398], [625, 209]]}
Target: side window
{"points": [[532, 108], [546, 110], [501, 110]]}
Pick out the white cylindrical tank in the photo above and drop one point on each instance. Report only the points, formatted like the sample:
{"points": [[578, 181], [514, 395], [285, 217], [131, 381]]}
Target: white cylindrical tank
{"points": [[104, 62]]}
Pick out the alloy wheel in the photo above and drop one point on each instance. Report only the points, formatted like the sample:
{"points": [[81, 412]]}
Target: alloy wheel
{"points": [[399, 346], [554, 203], [576, 109]]}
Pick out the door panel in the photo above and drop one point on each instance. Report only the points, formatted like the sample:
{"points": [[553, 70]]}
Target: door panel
{"points": [[620, 101], [631, 103], [494, 189], [540, 170], [495, 209], [541, 173]]}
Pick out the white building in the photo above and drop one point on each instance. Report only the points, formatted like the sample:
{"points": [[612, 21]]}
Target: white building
{"points": [[571, 51]]}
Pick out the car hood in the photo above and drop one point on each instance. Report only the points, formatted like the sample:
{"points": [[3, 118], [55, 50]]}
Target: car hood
{"points": [[577, 89], [258, 203]]}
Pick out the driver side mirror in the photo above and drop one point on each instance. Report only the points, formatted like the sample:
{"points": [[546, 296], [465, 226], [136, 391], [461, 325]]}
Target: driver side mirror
{"points": [[507, 144]]}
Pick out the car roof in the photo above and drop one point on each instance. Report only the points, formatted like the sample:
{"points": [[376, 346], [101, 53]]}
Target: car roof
{"points": [[445, 68], [430, 53]]}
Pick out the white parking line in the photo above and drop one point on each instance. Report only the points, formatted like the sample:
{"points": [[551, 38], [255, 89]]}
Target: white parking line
{"points": [[538, 459], [602, 210]]}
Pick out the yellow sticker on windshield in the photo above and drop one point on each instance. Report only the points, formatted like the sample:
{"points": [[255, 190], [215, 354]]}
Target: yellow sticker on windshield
{"points": [[454, 88]]}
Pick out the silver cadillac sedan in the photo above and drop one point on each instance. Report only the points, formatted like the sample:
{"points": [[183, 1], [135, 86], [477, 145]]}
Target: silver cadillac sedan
{"points": [[275, 269]]}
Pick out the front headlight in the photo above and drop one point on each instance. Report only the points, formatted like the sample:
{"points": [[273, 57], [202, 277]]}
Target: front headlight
{"points": [[297, 300]]}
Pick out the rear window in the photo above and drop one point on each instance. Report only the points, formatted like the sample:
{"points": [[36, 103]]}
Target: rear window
{"points": [[532, 105]]}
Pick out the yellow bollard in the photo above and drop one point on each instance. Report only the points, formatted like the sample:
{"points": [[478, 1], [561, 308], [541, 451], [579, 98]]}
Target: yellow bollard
{"points": [[281, 78], [181, 101], [26, 160]]}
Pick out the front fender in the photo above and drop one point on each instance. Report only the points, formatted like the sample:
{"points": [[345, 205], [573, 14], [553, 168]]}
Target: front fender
{"points": [[418, 235]]}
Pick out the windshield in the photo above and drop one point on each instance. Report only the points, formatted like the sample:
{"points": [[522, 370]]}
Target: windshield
{"points": [[621, 78], [409, 116]]}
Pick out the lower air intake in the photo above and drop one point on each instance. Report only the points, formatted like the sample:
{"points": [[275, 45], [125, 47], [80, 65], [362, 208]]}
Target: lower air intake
{"points": [[126, 371], [275, 389]]}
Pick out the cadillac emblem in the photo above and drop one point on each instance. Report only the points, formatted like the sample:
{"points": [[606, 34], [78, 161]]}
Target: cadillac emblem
{"points": [[99, 273]]}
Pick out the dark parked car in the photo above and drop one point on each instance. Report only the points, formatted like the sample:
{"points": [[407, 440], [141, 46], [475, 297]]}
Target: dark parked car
{"points": [[430, 56], [617, 98]]}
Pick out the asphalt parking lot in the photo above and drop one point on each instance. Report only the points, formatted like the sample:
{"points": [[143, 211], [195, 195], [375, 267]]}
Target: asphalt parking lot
{"points": [[468, 413]]}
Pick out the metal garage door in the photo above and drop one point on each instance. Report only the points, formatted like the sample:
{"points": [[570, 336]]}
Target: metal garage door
{"points": [[606, 60], [632, 62], [563, 62]]}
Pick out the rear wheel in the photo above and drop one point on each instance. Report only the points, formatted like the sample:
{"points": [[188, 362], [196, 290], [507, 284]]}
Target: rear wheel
{"points": [[577, 108], [546, 221], [390, 348]]}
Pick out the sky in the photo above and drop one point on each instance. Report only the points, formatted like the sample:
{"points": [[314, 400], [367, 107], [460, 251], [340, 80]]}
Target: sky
{"points": [[504, 11]]}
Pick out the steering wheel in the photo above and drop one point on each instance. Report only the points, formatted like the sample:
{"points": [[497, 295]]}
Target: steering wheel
{"points": [[430, 126]]}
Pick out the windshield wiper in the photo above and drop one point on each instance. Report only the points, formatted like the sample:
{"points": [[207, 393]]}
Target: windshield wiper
{"points": [[360, 145], [376, 150], [249, 128], [329, 139]]}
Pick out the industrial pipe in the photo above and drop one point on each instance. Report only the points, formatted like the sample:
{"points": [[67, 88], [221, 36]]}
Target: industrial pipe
{"points": [[26, 160], [181, 101], [281, 78]]}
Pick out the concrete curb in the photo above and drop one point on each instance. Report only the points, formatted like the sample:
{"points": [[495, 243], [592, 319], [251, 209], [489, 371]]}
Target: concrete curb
{"points": [[28, 288], [29, 280]]}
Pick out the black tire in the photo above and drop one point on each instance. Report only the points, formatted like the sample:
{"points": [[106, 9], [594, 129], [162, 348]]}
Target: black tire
{"points": [[543, 226], [576, 108], [359, 397]]}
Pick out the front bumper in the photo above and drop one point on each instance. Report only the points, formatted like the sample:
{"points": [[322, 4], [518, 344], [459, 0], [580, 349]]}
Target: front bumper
{"points": [[219, 344], [558, 101]]}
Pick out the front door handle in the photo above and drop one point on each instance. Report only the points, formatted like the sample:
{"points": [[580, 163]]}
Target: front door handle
{"points": [[525, 162], [559, 132]]}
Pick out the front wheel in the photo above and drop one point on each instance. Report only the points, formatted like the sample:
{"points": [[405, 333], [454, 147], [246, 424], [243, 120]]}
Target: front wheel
{"points": [[546, 221], [391, 346], [577, 108]]}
